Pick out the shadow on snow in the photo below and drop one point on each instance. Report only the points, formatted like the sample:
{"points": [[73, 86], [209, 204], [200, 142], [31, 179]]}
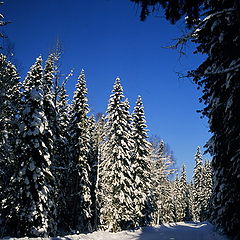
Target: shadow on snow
{"points": [[179, 231]]}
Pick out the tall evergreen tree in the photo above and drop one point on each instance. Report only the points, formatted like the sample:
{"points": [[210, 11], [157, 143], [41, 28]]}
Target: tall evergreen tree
{"points": [[182, 204], [198, 185], [9, 109], [61, 157], [80, 202], [177, 200], [191, 200], [48, 78], [29, 202], [93, 163], [116, 180], [207, 191], [184, 186], [141, 166], [97, 139]]}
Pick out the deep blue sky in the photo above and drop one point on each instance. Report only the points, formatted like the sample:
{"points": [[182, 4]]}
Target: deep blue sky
{"points": [[106, 38]]}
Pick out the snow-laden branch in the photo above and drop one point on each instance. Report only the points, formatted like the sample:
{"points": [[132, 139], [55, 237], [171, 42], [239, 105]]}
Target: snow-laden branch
{"points": [[230, 69], [198, 27], [217, 13]]}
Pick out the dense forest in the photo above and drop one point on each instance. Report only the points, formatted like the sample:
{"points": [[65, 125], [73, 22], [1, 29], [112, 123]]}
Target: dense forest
{"points": [[63, 171]]}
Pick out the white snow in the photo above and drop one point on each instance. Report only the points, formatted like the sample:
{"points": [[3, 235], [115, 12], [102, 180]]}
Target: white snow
{"points": [[171, 231]]}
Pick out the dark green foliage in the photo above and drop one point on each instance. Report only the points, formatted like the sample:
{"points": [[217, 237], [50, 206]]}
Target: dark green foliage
{"points": [[61, 158], [94, 129], [174, 9], [79, 139], [219, 77]]}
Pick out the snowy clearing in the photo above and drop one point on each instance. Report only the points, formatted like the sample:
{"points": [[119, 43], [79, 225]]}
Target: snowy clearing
{"points": [[171, 231]]}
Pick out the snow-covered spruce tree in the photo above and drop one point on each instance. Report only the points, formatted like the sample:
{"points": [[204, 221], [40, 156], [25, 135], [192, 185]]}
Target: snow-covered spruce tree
{"points": [[207, 191], [198, 186], [177, 200], [9, 108], [97, 139], [29, 203], [116, 179], [191, 200], [62, 113], [94, 164], [51, 93], [79, 140], [181, 198], [184, 186], [162, 188], [49, 74], [141, 166], [218, 36], [61, 158]]}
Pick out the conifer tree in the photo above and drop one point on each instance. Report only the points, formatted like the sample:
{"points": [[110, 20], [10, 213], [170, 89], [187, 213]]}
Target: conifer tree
{"points": [[184, 192], [62, 111], [79, 139], [9, 109], [141, 166], [167, 205], [97, 138], [49, 106], [116, 180], [61, 156], [186, 195], [93, 164], [49, 73], [182, 210], [29, 203], [191, 200], [207, 191], [177, 198], [198, 186], [95, 130], [50, 101]]}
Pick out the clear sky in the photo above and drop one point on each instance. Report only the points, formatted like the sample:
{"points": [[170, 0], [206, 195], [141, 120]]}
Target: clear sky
{"points": [[107, 39]]}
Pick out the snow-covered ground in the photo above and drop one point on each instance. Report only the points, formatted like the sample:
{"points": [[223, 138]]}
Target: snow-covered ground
{"points": [[171, 231]]}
